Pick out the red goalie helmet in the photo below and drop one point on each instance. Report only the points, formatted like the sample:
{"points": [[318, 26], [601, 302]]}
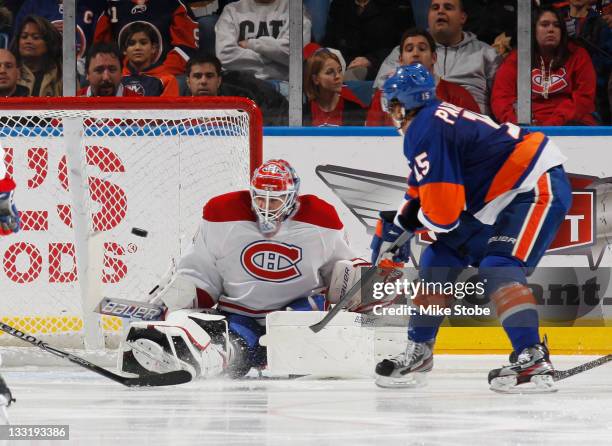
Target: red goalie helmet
{"points": [[274, 191]]}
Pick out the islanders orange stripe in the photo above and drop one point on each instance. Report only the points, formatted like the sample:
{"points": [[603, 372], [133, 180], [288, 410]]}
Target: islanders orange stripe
{"points": [[412, 192], [442, 202], [515, 165], [512, 296], [379, 228], [535, 219]]}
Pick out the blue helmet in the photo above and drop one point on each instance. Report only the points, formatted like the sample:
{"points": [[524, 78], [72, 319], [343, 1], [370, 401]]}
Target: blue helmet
{"points": [[412, 85]]}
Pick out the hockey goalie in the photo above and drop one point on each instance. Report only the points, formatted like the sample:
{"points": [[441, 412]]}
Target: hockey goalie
{"points": [[256, 251]]}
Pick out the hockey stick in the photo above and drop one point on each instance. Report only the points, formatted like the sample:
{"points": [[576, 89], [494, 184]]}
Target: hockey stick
{"points": [[164, 379], [562, 374], [130, 309], [399, 242]]}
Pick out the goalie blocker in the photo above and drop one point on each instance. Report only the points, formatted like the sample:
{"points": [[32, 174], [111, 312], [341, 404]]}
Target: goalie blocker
{"points": [[347, 273]]}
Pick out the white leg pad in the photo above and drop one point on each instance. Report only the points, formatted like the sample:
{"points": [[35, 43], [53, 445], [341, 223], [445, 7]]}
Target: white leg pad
{"points": [[188, 346], [349, 346]]}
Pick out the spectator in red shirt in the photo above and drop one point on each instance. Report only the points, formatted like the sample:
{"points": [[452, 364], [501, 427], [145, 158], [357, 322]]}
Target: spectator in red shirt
{"points": [[330, 102], [103, 68], [143, 72], [418, 46], [562, 78]]}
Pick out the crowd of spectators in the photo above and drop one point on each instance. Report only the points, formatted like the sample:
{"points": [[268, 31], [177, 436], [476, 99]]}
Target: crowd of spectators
{"points": [[241, 48]]}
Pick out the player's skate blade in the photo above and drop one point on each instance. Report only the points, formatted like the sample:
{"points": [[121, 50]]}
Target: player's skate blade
{"points": [[531, 372], [408, 369], [152, 356], [537, 384], [410, 381]]}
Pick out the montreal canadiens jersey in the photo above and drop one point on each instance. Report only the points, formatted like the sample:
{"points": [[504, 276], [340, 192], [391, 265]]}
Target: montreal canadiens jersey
{"points": [[6, 182], [249, 274], [463, 161]]}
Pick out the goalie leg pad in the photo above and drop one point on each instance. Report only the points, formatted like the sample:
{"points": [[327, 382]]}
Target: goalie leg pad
{"points": [[180, 343]]}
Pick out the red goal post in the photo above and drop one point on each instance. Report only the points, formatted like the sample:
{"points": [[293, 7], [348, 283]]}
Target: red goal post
{"points": [[90, 169]]}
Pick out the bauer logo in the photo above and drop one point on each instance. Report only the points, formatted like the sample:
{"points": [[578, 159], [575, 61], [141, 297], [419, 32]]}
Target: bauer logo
{"points": [[271, 261]]}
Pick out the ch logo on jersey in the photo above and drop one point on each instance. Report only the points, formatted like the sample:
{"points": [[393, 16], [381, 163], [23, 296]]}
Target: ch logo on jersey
{"points": [[271, 261], [557, 81]]}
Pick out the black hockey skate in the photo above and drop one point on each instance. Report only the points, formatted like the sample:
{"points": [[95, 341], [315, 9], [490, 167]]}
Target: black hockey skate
{"points": [[6, 398], [531, 372], [407, 369]]}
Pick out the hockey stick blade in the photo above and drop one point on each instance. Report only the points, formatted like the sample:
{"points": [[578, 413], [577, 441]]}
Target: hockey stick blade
{"points": [[164, 379], [562, 374], [399, 242], [130, 309]]}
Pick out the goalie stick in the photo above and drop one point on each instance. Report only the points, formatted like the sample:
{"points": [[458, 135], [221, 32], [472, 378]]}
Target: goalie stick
{"points": [[399, 242], [163, 379], [562, 374]]}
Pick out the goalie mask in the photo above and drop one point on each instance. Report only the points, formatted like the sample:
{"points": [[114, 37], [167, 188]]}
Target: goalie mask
{"points": [[410, 88], [274, 191]]}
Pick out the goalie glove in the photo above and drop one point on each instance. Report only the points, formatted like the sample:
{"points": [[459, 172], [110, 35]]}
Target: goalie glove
{"points": [[9, 216], [408, 216]]}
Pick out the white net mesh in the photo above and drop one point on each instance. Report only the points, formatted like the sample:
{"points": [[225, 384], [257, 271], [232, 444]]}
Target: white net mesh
{"points": [[149, 169]]}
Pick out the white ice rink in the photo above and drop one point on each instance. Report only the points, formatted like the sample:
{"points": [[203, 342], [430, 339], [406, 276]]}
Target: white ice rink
{"points": [[457, 408]]}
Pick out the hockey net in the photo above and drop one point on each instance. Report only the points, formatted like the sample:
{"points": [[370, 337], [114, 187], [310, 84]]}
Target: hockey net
{"points": [[143, 163]]}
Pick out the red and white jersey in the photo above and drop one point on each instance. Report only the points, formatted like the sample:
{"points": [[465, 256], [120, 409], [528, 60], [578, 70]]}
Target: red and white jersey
{"points": [[249, 274], [6, 183]]}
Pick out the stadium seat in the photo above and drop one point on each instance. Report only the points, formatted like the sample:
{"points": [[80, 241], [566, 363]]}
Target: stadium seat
{"points": [[419, 9], [207, 33]]}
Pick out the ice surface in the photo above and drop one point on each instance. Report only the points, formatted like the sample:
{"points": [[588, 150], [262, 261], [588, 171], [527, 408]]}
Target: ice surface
{"points": [[457, 408]]}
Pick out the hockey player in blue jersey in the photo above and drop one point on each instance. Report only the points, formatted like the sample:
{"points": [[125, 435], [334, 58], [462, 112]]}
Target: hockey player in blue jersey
{"points": [[495, 196]]}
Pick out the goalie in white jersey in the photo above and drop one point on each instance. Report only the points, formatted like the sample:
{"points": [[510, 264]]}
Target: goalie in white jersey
{"points": [[255, 252]]}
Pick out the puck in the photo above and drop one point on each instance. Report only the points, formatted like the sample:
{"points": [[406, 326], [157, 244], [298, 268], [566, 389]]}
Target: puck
{"points": [[139, 232]]}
